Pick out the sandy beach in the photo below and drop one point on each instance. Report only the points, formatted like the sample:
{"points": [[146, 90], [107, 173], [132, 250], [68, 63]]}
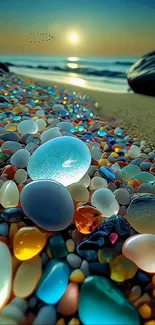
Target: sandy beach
{"points": [[137, 112]]}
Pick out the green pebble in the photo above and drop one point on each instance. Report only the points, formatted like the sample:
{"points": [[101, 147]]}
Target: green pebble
{"points": [[57, 246], [102, 303]]}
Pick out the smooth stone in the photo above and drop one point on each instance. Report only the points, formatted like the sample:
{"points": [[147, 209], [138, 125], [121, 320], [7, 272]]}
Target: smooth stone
{"points": [[13, 146], [5, 274], [98, 182], [85, 268], [146, 188], [58, 107], [63, 159], [41, 124], [10, 136], [4, 228], [57, 246], [20, 176], [27, 277], [122, 269], [134, 151], [65, 126], [70, 245], [85, 180], [129, 172], [7, 321], [107, 173], [145, 177], [41, 200], [12, 311], [122, 196], [12, 214], [102, 303], [46, 315], [54, 282], [28, 126], [137, 161], [140, 250], [9, 194], [141, 213], [145, 165], [77, 276], [74, 260], [50, 134], [20, 158], [141, 75], [28, 242], [104, 200], [68, 304], [20, 303], [79, 192]]}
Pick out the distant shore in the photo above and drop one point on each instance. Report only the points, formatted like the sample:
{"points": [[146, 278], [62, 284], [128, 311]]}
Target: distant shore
{"points": [[136, 111]]}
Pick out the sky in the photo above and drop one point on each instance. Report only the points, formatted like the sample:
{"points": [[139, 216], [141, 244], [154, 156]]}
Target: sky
{"points": [[98, 28]]}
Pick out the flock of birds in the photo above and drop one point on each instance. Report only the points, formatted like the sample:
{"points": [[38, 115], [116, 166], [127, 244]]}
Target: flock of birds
{"points": [[42, 37]]}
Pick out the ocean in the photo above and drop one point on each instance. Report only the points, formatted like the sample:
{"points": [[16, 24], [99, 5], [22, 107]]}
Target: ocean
{"points": [[107, 74]]}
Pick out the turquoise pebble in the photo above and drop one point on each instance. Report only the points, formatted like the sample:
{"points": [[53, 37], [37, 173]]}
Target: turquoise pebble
{"points": [[54, 282], [137, 161], [63, 159], [57, 246], [46, 315], [145, 177], [20, 158], [48, 204], [4, 228], [13, 146], [102, 303]]}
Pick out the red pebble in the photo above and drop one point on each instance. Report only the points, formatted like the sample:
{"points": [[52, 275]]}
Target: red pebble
{"points": [[9, 170]]}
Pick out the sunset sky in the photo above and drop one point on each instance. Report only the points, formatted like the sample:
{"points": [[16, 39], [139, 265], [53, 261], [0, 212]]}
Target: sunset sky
{"points": [[79, 27]]}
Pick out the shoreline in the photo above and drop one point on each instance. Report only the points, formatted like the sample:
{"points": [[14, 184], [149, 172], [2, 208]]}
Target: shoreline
{"points": [[136, 111]]}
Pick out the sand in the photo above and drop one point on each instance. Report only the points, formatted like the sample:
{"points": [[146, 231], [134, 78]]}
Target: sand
{"points": [[137, 112]]}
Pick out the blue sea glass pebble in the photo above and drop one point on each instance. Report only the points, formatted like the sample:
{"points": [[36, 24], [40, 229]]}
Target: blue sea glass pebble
{"points": [[13, 146], [28, 126], [48, 204], [12, 214], [54, 282], [10, 136], [64, 159], [107, 173], [102, 303], [20, 158]]}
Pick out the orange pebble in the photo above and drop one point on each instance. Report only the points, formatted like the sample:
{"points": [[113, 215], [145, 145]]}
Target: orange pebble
{"points": [[145, 311], [13, 230], [20, 187], [1, 142], [61, 321], [87, 219]]}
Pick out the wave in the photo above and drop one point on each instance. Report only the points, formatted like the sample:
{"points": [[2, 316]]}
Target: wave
{"points": [[79, 70]]}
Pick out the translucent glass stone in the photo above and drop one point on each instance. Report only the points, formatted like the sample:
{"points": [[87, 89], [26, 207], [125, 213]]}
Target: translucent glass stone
{"points": [[20, 158], [104, 200], [5, 274], [28, 126], [64, 159], [41, 124], [140, 250], [50, 134]]}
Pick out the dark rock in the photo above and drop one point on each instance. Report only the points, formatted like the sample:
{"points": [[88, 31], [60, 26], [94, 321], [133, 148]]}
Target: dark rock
{"points": [[3, 99], [141, 75], [3, 68]]}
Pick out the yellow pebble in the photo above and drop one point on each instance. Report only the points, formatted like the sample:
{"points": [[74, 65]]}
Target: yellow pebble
{"points": [[150, 322], [114, 155], [145, 311], [122, 269], [61, 321], [16, 110], [77, 276], [104, 162], [28, 242], [153, 280], [74, 321]]}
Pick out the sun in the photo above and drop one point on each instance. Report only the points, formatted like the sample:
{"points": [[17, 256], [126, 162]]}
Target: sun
{"points": [[73, 38]]}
